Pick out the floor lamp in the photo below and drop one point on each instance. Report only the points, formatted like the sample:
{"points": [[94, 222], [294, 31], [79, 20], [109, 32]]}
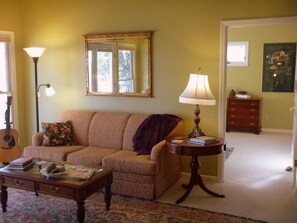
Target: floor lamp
{"points": [[35, 53], [198, 93]]}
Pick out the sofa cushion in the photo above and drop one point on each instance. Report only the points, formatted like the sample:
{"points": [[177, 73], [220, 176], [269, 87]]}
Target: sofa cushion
{"points": [[133, 123], [57, 134], [129, 162], [81, 123], [153, 130], [89, 156], [56, 153], [107, 129]]}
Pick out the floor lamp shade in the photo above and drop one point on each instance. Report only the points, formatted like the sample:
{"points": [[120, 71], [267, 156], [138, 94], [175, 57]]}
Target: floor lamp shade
{"points": [[34, 51]]}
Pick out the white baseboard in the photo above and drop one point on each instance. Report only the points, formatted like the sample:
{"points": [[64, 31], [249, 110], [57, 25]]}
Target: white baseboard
{"points": [[204, 177], [277, 130]]}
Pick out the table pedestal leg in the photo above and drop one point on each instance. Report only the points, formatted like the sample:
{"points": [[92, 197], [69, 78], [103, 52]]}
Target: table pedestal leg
{"points": [[196, 180], [107, 197]]}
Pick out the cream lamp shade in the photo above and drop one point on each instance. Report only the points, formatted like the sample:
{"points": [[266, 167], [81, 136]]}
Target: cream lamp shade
{"points": [[50, 91], [197, 91], [35, 51]]}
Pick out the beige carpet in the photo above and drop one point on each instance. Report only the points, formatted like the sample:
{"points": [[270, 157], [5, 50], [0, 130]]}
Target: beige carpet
{"points": [[256, 183]]}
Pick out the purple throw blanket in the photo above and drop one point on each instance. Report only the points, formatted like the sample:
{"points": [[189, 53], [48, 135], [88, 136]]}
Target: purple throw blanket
{"points": [[153, 130]]}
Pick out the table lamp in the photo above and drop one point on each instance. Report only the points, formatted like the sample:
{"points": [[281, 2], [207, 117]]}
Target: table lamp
{"points": [[198, 93]]}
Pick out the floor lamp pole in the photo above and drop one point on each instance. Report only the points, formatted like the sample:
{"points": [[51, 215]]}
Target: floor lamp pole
{"points": [[35, 60], [35, 53]]}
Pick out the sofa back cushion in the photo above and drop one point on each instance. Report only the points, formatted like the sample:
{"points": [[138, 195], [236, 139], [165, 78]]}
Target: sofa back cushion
{"points": [[81, 123], [107, 129], [153, 130], [133, 123]]}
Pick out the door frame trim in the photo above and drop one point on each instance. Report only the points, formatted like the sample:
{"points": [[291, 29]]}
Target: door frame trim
{"points": [[224, 25]]}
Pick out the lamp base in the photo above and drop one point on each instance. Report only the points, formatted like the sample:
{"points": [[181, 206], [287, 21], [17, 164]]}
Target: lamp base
{"points": [[196, 133]]}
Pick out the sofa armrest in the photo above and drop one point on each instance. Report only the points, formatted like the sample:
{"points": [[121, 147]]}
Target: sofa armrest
{"points": [[158, 150], [37, 139], [167, 160]]}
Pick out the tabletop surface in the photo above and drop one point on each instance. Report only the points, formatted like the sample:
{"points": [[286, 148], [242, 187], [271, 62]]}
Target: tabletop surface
{"points": [[181, 146]]}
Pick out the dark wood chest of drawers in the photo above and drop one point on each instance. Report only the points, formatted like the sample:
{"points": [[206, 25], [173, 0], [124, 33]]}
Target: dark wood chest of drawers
{"points": [[244, 115]]}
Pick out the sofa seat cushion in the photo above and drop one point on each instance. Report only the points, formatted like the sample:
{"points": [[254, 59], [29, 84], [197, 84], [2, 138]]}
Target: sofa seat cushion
{"points": [[57, 153], [129, 162], [89, 156]]}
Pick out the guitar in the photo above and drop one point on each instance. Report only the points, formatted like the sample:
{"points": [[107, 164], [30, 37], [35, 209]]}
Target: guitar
{"points": [[9, 148]]}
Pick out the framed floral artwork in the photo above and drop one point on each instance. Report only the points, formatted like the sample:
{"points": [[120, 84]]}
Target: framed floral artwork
{"points": [[279, 60]]}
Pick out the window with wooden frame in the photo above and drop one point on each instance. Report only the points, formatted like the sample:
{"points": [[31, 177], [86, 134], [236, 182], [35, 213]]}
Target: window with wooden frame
{"points": [[7, 78]]}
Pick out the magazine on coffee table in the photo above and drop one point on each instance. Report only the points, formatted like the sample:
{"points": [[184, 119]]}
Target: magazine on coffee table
{"points": [[73, 172]]}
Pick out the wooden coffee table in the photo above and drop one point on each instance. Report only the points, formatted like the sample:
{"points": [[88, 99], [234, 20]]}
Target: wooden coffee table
{"points": [[32, 180]]}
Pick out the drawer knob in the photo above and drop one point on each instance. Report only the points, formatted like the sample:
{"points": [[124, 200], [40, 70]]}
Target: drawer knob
{"points": [[18, 182], [54, 189]]}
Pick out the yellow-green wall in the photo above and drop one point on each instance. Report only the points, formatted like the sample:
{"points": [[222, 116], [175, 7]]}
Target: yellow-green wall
{"points": [[275, 105], [186, 36]]}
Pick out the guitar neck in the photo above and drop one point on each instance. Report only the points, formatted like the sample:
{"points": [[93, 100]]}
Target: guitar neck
{"points": [[7, 116], [7, 119]]}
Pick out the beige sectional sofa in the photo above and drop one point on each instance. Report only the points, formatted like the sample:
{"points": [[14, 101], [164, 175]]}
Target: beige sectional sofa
{"points": [[105, 139]]}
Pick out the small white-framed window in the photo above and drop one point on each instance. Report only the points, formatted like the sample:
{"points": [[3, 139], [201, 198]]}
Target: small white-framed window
{"points": [[7, 79], [238, 53], [111, 67]]}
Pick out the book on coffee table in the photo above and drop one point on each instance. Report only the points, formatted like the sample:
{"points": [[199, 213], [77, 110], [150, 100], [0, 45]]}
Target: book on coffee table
{"points": [[21, 164], [203, 140]]}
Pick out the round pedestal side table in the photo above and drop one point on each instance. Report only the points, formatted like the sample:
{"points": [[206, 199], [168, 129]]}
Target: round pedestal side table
{"points": [[182, 147]]}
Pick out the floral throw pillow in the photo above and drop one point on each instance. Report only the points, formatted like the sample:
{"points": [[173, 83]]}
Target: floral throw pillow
{"points": [[58, 134]]}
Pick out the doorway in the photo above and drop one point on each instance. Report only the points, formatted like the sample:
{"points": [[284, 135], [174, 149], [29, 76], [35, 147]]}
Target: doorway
{"points": [[225, 25]]}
